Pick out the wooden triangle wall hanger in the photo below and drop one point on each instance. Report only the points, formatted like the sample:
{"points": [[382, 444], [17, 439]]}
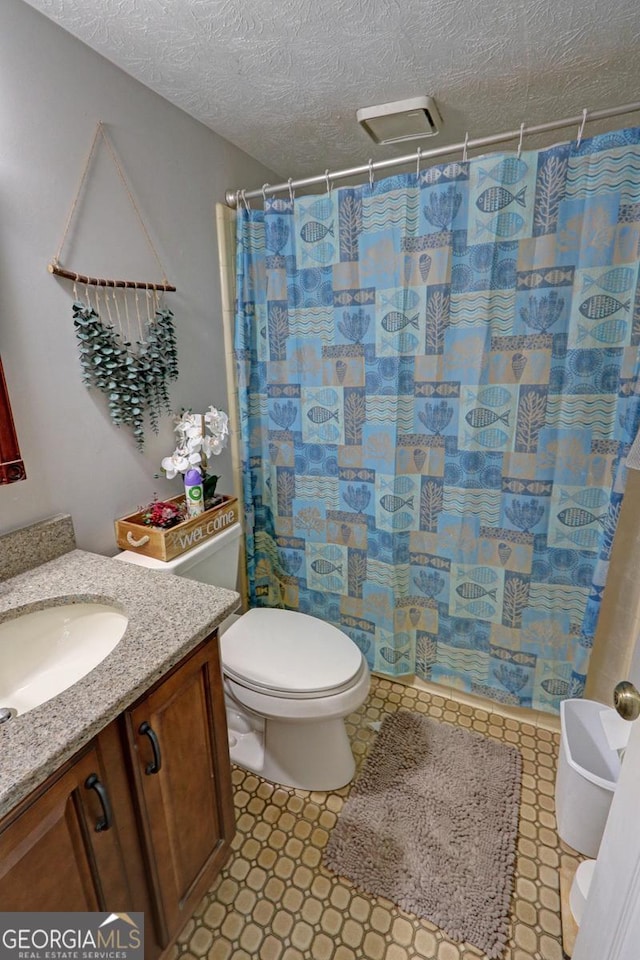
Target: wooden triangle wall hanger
{"points": [[132, 373], [55, 266]]}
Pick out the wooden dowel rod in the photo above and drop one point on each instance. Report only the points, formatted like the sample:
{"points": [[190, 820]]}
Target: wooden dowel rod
{"points": [[100, 282]]}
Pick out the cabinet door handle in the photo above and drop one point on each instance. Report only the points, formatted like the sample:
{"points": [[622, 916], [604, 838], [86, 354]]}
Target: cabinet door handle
{"points": [[155, 765], [104, 822]]}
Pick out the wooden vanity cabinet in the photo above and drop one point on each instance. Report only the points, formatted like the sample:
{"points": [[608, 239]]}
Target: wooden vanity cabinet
{"points": [[141, 819], [177, 737], [52, 854]]}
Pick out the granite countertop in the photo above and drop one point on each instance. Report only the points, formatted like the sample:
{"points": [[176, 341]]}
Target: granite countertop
{"points": [[168, 616]]}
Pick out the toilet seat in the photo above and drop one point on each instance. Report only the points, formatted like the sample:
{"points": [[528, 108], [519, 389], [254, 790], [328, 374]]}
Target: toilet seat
{"points": [[282, 653], [284, 694], [303, 709]]}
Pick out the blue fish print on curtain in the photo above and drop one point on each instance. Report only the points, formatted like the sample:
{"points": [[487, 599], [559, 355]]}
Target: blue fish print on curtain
{"points": [[438, 385]]}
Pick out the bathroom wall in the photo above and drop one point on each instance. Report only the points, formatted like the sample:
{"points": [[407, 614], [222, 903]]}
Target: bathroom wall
{"points": [[54, 90]]}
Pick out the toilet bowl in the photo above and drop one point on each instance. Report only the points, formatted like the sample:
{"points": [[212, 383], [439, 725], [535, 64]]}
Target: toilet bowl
{"points": [[301, 676], [290, 679]]}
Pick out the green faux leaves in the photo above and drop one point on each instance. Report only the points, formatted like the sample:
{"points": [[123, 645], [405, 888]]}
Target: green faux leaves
{"points": [[134, 382]]}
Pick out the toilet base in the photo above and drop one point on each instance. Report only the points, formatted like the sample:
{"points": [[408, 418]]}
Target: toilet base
{"points": [[309, 756], [246, 738], [305, 743]]}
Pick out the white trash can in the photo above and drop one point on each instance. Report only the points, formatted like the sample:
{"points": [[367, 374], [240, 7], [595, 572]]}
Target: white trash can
{"points": [[588, 771]]}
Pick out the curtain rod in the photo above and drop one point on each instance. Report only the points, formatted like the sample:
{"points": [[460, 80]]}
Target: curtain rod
{"points": [[232, 196]]}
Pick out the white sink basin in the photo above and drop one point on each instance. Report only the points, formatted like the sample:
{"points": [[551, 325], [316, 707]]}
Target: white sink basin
{"points": [[44, 652]]}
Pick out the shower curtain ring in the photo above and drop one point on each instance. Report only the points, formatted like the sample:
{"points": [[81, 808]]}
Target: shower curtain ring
{"points": [[247, 205], [370, 173], [264, 187], [520, 140], [464, 149], [581, 128], [291, 193], [418, 164], [327, 181]]}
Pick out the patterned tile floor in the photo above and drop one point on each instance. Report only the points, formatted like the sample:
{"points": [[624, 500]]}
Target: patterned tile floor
{"points": [[275, 901]]}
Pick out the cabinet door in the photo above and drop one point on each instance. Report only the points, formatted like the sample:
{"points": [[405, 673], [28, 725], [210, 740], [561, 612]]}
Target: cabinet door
{"points": [[62, 851], [178, 738]]}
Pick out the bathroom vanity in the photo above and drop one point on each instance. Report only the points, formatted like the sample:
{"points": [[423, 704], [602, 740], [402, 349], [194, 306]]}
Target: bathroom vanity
{"points": [[116, 794]]}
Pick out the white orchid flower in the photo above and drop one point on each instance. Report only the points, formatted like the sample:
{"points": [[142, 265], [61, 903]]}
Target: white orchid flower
{"points": [[192, 444], [188, 424], [193, 428], [196, 440], [175, 464], [218, 426], [216, 419], [211, 446]]}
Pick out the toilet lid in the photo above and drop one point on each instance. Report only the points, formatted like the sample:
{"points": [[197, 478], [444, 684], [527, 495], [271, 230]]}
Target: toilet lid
{"points": [[284, 651]]}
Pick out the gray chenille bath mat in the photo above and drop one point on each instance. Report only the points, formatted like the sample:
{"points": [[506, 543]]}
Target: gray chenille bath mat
{"points": [[431, 824]]}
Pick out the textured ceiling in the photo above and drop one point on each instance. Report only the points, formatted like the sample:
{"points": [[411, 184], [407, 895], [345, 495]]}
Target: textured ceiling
{"points": [[282, 79]]}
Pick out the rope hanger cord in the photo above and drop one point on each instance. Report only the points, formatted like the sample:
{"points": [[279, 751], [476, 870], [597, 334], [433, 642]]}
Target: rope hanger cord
{"points": [[54, 266]]}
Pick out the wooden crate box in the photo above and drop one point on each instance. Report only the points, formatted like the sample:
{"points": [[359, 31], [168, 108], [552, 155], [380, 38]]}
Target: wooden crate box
{"points": [[132, 534]]}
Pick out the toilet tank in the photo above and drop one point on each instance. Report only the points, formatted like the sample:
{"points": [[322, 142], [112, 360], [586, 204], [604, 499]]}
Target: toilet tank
{"points": [[215, 561]]}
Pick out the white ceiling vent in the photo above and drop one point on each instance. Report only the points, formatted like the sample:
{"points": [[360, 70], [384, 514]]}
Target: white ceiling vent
{"points": [[411, 119]]}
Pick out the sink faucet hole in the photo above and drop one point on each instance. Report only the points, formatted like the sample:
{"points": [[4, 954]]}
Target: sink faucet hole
{"points": [[7, 713]]}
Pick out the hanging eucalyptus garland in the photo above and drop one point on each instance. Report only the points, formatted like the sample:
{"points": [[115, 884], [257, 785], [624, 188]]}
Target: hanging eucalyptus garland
{"points": [[134, 380]]}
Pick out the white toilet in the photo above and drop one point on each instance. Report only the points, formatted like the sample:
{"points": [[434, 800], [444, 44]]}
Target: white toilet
{"points": [[290, 679]]}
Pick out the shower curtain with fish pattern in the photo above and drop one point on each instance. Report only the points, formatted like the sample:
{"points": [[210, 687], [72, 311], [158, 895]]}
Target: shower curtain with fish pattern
{"points": [[438, 384]]}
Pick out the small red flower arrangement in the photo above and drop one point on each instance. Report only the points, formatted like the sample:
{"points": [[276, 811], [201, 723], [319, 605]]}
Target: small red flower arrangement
{"points": [[163, 514]]}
